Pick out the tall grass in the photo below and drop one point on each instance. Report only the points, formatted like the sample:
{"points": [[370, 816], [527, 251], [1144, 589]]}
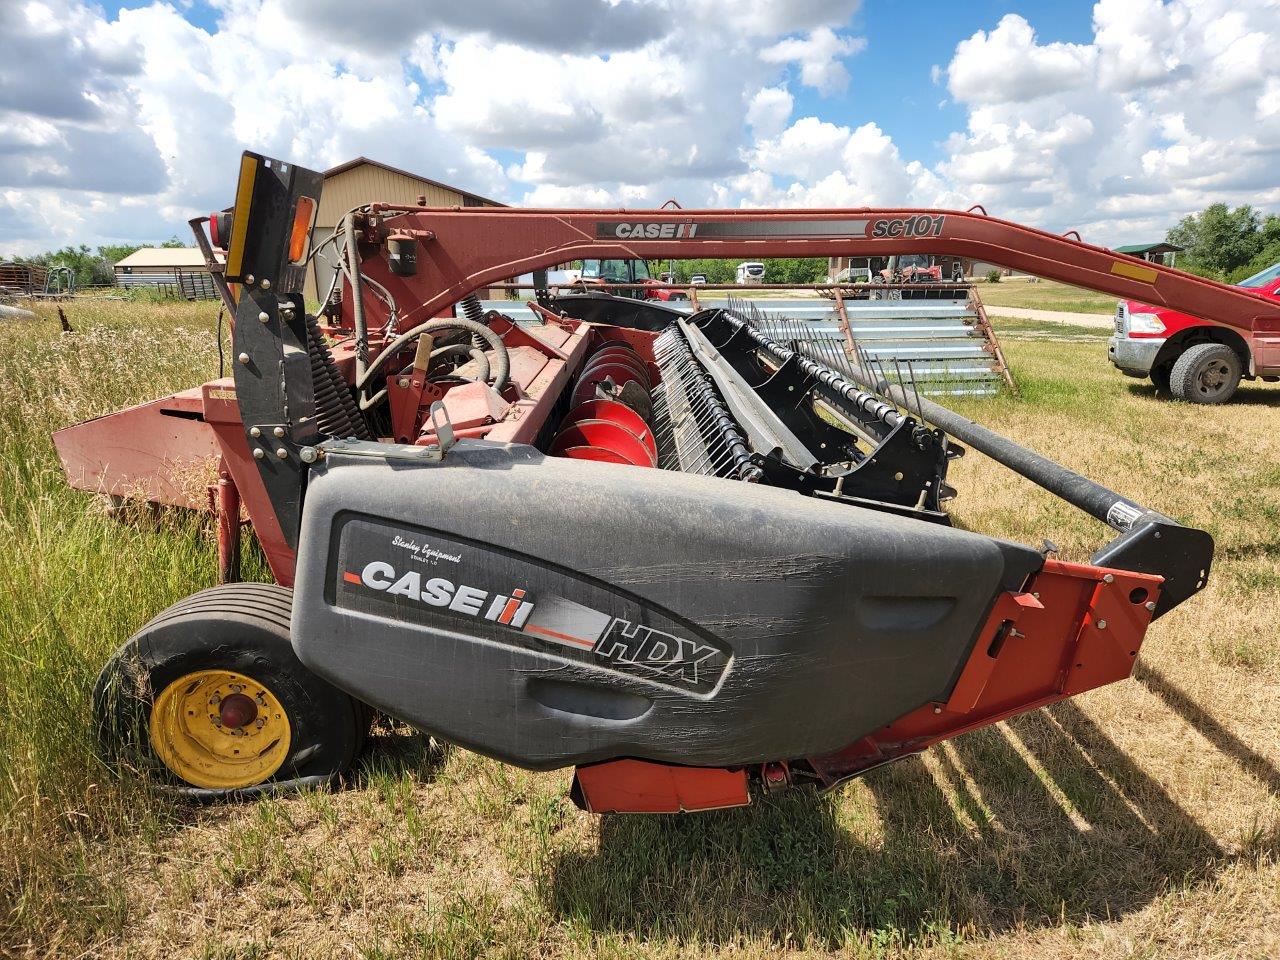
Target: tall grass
{"points": [[76, 582], [1138, 820]]}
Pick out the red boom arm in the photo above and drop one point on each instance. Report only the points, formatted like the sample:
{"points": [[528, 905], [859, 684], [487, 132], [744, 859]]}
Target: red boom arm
{"points": [[464, 249]]}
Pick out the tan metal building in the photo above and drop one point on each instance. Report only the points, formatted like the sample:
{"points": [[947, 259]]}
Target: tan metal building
{"points": [[180, 271], [362, 181]]}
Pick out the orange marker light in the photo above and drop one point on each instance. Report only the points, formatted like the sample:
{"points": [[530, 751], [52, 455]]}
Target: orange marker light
{"points": [[303, 216]]}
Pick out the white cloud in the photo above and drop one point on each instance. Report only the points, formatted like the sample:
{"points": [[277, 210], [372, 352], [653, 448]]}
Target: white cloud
{"points": [[1008, 65], [122, 127], [819, 56], [769, 110]]}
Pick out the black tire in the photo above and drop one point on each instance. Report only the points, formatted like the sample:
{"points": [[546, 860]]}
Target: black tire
{"points": [[241, 628], [1160, 377], [1205, 373]]}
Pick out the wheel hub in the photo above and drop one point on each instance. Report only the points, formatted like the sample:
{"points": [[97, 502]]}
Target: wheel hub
{"points": [[220, 730], [237, 710], [1213, 376]]}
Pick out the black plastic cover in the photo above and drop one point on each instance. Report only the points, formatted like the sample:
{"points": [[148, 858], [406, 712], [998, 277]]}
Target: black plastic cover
{"points": [[550, 611]]}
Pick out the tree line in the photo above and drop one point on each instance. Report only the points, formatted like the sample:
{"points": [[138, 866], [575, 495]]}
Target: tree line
{"points": [[91, 266], [1227, 244], [790, 270]]}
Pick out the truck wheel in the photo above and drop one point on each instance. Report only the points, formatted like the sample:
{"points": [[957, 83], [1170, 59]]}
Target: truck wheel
{"points": [[1205, 373], [210, 697]]}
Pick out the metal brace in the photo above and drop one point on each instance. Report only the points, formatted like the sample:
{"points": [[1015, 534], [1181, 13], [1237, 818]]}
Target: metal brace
{"points": [[443, 427]]}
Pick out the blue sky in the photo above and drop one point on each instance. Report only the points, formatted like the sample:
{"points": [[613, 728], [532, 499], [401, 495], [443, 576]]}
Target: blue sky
{"points": [[120, 120]]}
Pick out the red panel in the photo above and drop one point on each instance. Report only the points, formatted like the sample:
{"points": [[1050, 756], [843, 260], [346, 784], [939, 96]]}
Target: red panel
{"points": [[160, 451], [1075, 628], [638, 786], [222, 411]]}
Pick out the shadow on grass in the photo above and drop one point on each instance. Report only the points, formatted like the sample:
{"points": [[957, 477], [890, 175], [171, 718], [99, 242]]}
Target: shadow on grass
{"points": [[395, 750], [1047, 822], [1246, 396], [1252, 762]]}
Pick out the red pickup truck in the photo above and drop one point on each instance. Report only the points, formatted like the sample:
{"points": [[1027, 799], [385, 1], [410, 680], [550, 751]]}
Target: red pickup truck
{"points": [[1191, 358]]}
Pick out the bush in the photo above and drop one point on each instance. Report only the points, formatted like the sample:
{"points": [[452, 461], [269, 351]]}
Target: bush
{"points": [[993, 276]]}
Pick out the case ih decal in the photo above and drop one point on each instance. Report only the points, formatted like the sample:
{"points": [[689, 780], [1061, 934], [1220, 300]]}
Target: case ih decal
{"points": [[685, 230], [433, 579], [920, 225], [439, 592], [556, 619]]}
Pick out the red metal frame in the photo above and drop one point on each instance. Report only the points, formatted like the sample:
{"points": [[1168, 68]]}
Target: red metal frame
{"points": [[1073, 628], [462, 249]]}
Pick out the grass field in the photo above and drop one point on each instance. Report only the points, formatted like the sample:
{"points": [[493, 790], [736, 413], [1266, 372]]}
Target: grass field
{"points": [[1140, 820], [1045, 295]]}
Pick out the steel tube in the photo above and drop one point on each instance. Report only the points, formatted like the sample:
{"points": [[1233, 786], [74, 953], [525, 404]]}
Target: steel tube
{"points": [[1116, 511], [357, 297], [1119, 513]]}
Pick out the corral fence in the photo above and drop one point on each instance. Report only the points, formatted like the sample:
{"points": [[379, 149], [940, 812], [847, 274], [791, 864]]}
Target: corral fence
{"points": [[183, 284], [938, 347]]}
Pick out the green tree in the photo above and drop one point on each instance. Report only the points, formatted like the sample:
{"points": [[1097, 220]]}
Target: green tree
{"points": [[791, 270], [1219, 241], [113, 253]]}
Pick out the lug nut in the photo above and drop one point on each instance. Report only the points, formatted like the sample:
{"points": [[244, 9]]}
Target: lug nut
{"points": [[1102, 624], [1108, 578]]}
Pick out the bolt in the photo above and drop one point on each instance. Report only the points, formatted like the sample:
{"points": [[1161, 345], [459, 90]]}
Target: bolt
{"points": [[264, 316], [266, 284], [243, 358], [308, 454], [278, 431], [403, 382], [937, 709], [1102, 624], [282, 453], [249, 278], [1150, 605], [258, 454], [1108, 578], [255, 432]]}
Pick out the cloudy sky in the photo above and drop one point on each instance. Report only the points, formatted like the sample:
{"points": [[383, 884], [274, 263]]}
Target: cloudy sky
{"points": [[118, 121]]}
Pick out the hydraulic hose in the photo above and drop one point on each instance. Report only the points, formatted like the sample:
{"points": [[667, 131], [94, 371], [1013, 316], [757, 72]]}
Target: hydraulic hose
{"points": [[357, 298], [463, 350], [502, 366]]}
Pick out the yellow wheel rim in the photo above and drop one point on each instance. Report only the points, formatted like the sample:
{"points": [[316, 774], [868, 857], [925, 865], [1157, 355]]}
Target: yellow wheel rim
{"points": [[220, 730]]}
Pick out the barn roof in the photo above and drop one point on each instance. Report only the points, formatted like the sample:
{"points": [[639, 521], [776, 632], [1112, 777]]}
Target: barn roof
{"points": [[187, 257], [361, 161]]}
